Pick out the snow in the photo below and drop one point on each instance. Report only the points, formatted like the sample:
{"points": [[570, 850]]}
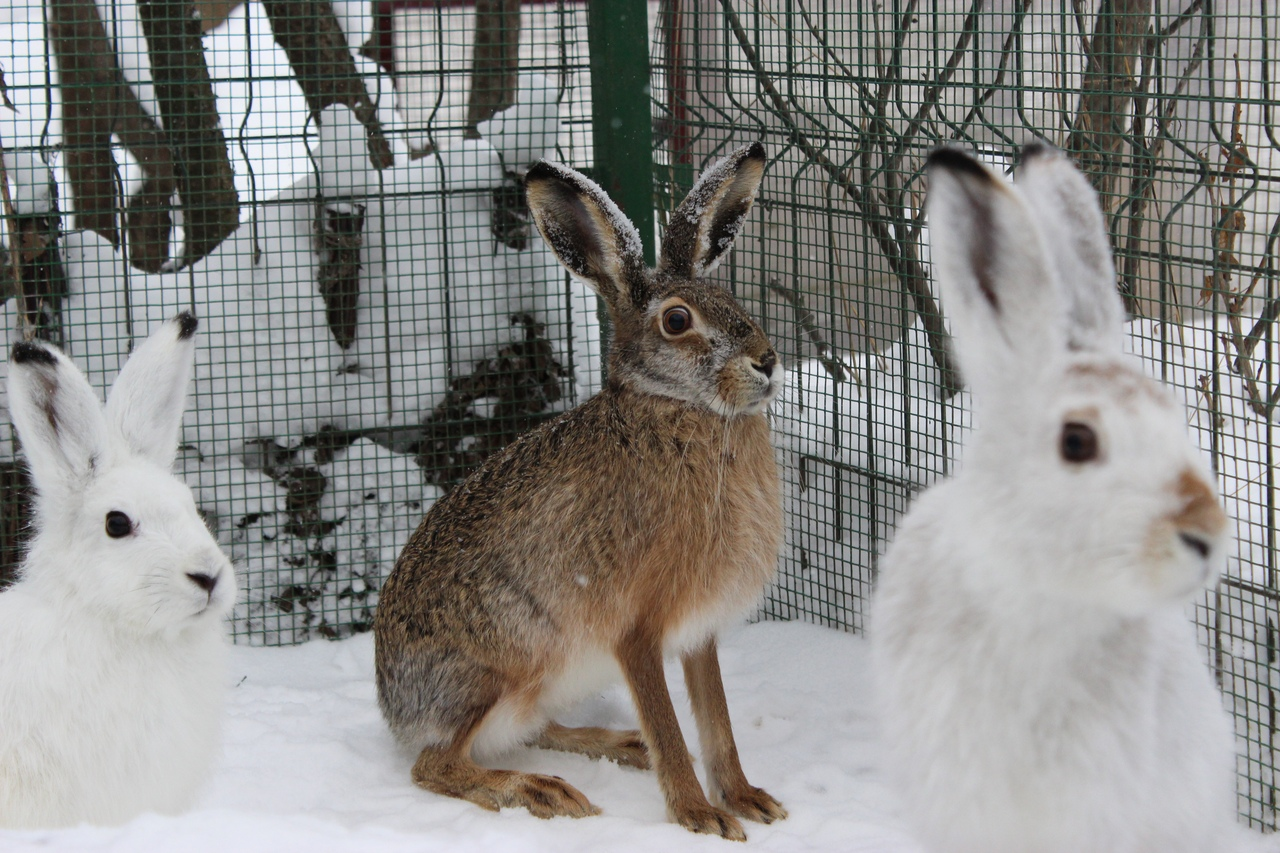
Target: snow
{"points": [[309, 765], [526, 131], [30, 183]]}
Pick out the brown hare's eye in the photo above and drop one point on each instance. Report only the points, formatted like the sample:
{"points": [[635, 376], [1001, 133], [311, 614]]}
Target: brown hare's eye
{"points": [[677, 321], [118, 524], [1079, 443]]}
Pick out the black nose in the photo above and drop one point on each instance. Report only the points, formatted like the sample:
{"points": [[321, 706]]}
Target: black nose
{"points": [[1195, 543], [766, 364], [205, 582]]}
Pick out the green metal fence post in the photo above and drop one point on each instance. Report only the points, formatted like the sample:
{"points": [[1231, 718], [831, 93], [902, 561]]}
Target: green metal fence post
{"points": [[618, 37]]}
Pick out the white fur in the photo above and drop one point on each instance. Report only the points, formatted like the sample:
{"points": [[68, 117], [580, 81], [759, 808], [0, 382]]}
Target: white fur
{"points": [[113, 671], [1039, 680]]}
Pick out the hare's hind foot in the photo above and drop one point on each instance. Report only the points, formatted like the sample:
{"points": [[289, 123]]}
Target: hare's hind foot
{"points": [[440, 772], [706, 818], [753, 804], [620, 747]]}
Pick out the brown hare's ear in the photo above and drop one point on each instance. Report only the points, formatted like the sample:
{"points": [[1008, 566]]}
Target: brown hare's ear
{"points": [[702, 229], [587, 233]]}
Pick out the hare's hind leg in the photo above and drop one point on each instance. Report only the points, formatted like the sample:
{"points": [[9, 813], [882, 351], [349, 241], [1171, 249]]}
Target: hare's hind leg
{"points": [[725, 780], [621, 747], [640, 654], [449, 770]]}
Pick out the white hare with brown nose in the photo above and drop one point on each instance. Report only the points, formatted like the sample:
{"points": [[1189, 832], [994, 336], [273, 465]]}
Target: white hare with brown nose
{"points": [[1039, 680], [630, 528]]}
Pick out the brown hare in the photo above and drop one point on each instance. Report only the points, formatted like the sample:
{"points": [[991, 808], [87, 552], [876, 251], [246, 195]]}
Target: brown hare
{"points": [[633, 526]]}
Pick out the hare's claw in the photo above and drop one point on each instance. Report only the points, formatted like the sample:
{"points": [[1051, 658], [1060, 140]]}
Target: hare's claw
{"points": [[754, 804], [712, 821]]}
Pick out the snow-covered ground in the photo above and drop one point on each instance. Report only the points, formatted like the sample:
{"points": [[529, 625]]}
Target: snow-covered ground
{"points": [[309, 766]]}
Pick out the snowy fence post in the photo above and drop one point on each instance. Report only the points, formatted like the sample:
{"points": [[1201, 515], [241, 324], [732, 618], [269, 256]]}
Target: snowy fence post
{"points": [[340, 218], [34, 275]]}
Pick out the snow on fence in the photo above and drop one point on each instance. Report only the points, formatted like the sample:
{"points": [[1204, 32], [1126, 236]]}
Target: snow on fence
{"points": [[379, 314]]}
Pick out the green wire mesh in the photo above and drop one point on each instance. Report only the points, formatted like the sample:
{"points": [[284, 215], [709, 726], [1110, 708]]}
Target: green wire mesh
{"points": [[370, 331], [1168, 109], [376, 317]]}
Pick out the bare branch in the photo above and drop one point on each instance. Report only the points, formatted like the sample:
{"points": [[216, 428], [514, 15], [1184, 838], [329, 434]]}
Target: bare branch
{"points": [[184, 92], [310, 35], [902, 260]]}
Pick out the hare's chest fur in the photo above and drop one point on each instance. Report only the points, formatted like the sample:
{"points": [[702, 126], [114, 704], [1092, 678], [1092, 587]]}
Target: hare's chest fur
{"points": [[1035, 727], [96, 731]]}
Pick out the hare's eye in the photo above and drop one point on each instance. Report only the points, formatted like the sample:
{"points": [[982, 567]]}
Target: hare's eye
{"points": [[676, 321], [1079, 443], [118, 524]]}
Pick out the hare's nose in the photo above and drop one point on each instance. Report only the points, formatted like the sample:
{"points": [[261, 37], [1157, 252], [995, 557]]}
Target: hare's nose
{"points": [[205, 582], [767, 363], [1196, 543]]}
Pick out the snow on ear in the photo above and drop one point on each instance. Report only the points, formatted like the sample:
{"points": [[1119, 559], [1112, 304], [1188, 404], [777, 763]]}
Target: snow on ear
{"points": [[996, 287], [58, 417], [1080, 251], [702, 229], [588, 233], [146, 402]]}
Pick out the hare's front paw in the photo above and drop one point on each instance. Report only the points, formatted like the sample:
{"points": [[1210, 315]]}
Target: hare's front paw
{"points": [[708, 819], [547, 796], [753, 804]]}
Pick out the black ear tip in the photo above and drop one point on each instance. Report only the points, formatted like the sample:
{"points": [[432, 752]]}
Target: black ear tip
{"points": [[30, 352], [187, 324], [955, 159], [539, 171], [1036, 149]]}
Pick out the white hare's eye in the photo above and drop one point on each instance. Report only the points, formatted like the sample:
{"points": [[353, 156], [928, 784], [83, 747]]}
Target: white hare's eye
{"points": [[676, 320], [1079, 443], [119, 525]]}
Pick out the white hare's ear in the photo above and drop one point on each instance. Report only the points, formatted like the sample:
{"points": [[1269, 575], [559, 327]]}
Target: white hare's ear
{"points": [[58, 416], [702, 229], [1067, 209], [588, 233], [997, 287], [146, 402]]}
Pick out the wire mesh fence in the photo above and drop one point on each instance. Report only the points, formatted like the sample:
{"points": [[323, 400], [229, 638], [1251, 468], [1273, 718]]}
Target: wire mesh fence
{"points": [[334, 188], [335, 191], [1168, 109]]}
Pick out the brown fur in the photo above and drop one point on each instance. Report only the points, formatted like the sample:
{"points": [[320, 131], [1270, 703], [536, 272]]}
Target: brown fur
{"points": [[630, 527], [1200, 511]]}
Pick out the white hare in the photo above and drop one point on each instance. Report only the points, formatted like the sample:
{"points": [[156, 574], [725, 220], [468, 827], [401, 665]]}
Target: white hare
{"points": [[1039, 678], [113, 639]]}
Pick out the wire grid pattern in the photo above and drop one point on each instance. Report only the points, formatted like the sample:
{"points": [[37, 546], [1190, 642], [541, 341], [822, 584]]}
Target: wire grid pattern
{"points": [[1168, 108], [376, 313]]}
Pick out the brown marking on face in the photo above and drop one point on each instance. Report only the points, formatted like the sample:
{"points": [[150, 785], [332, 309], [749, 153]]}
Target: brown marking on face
{"points": [[1123, 379], [1199, 508]]}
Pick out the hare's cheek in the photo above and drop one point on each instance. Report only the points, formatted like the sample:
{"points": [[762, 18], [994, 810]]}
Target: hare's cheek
{"points": [[1173, 564]]}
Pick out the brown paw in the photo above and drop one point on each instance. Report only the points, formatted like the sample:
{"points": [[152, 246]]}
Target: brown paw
{"points": [[630, 751], [712, 821], [622, 747], [548, 796], [754, 804]]}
